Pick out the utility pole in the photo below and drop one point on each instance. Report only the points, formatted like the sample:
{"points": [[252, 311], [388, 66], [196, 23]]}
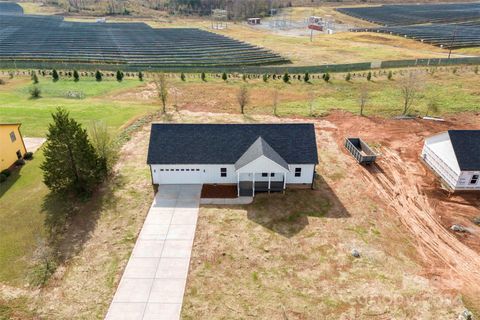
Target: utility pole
{"points": [[453, 40]]}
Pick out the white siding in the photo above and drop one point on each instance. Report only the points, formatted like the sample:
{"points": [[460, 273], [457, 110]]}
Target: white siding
{"points": [[211, 174], [464, 181]]}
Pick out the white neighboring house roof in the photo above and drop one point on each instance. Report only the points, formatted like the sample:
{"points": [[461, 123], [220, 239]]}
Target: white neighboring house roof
{"points": [[441, 145], [260, 149]]}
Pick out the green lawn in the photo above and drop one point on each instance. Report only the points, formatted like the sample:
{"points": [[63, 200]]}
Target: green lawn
{"points": [[97, 103]]}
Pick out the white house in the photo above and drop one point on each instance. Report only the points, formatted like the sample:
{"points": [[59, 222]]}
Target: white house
{"points": [[255, 157], [455, 156]]}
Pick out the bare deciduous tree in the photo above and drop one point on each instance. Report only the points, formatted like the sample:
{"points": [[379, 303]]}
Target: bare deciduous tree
{"points": [[275, 100], [162, 90], [410, 87], [363, 100], [432, 106], [242, 98], [104, 143]]}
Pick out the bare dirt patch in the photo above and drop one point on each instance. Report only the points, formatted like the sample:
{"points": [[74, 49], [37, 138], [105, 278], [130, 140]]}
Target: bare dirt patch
{"points": [[219, 191]]}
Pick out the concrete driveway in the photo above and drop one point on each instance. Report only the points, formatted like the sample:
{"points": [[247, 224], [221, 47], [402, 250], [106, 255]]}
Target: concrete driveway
{"points": [[153, 283]]}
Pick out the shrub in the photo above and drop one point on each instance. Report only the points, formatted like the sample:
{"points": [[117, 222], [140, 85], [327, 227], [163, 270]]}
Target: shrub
{"points": [[34, 77], [244, 77], [182, 76], [203, 76], [98, 76], [286, 77], [35, 92], [28, 155], [369, 76], [390, 75], [224, 76], [306, 77], [140, 76], [55, 76], [3, 178], [76, 76], [475, 70], [119, 76], [6, 173], [20, 162], [265, 77], [326, 77], [348, 77]]}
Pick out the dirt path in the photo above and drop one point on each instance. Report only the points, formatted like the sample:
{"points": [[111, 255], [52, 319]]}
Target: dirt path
{"points": [[406, 198]]}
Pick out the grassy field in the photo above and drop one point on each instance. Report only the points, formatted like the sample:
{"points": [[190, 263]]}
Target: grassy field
{"points": [[97, 102]]}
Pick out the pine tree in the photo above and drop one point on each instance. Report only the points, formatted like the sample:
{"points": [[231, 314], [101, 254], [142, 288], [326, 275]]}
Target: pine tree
{"points": [[326, 77], [475, 70], [286, 77], [71, 163], [390, 75], [369, 76], [98, 76], [182, 76], [203, 76], [76, 76], [55, 76], [244, 77], [119, 76], [224, 76], [265, 77], [348, 77], [306, 77], [140, 76]]}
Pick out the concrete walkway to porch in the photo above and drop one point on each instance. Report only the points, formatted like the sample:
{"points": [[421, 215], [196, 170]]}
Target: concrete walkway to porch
{"points": [[153, 283]]}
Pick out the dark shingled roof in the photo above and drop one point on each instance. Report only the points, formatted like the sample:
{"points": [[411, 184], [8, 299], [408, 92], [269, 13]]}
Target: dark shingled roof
{"points": [[226, 143], [260, 148], [466, 144]]}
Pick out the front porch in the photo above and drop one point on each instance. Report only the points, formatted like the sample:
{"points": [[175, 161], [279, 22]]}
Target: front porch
{"points": [[246, 188]]}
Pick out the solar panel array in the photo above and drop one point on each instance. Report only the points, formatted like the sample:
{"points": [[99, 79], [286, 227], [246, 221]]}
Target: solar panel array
{"points": [[50, 38], [446, 25]]}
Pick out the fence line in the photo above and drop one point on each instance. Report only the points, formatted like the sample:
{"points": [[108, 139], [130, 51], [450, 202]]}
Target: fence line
{"points": [[350, 67]]}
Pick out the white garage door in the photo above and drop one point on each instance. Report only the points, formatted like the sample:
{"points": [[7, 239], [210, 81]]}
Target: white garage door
{"points": [[179, 176]]}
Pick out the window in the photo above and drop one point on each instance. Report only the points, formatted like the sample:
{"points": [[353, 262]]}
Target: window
{"points": [[198, 169], [298, 172], [474, 179], [182, 170], [272, 174], [264, 174], [176, 169], [12, 136], [161, 169], [223, 172]]}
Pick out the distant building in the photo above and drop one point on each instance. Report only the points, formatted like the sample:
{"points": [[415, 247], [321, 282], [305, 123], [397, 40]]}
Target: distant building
{"points": [[455, 156], [12, 147], [254, 21]]}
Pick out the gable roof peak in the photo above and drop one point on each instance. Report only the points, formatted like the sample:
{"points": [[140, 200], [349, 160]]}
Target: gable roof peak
{"points": [[259, 148]]}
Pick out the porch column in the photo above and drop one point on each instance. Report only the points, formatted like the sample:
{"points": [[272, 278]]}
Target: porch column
{"points": [[284, 181], [253, 183], [238, 184], [269, 181]]}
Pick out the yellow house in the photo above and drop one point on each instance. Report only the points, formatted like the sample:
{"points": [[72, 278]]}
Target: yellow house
{"points": [[12, 147]]}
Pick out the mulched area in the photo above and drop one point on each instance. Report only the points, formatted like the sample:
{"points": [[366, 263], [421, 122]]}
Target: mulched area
{"points": [[219, 191]]}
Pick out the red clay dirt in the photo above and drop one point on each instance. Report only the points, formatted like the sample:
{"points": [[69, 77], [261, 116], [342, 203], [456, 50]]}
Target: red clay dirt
{"points": [[413, 194], [219, 191]]}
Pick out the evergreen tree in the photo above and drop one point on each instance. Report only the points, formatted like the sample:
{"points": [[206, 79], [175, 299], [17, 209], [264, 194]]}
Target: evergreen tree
{"points": [[475, 70], [390, 75], [348, 77], [98, 76], [286, 77], [306, 77], [369, 76], [203, 76], [265, 77], [55, 76], [326, 77], [71, 163], [140, 76], [244, 77], [182, 76], [34, 77], [119, 76], [224, 76], [76, 76]]}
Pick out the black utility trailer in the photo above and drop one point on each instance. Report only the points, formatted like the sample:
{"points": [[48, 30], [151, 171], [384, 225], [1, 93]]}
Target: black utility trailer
{"points": [[360, 150]]}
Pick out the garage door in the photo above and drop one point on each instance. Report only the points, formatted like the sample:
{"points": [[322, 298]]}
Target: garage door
{"points": [[180, 176]]}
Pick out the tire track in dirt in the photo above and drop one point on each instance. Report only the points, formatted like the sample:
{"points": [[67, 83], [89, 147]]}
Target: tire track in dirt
{"points": [[404, 196]]}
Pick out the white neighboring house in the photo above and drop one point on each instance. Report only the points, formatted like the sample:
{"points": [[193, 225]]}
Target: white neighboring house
{"points": [[255, 157], [455, 156]]}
